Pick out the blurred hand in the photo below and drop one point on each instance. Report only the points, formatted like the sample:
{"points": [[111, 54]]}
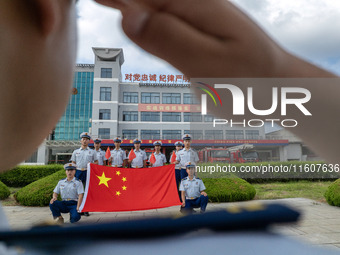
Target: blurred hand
{"points": [[207, 39]]}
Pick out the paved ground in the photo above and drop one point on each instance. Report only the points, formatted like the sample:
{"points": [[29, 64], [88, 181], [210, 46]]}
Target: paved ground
{"points": [[319, 225]]}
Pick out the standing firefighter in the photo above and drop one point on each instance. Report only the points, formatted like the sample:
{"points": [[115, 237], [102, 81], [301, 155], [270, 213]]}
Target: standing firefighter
{"points": [[137, 157], [186, 156], [100, 153], [118, 156], [157, 158], [82, 156]]}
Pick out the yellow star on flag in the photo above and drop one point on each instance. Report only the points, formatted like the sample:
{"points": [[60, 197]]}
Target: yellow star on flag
{"points": [[118, 193], [124, 187], [124, 179], [103, 179], [118, 173]]}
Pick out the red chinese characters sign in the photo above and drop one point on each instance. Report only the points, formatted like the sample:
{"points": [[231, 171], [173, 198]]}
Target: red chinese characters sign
{"points": [[168, 108], [162, 78]]}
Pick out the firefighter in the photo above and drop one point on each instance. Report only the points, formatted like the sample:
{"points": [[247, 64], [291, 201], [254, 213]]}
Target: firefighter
{"points": [[179, 146], [118, 155], [100, 153], [186, 156], [193, 192], [71, 191], [140, 160], [159, 157]]}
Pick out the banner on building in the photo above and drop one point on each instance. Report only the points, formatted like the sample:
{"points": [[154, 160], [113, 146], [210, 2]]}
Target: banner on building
{"points": [[111, 189]]}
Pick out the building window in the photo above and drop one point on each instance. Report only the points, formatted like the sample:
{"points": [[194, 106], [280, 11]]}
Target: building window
{"points": [[104, 114], [106, 73], [208, 118], [252, 134], [171, 116], [234, 134], [130, 134], [130, 116], [150, 98], [189, 98], [150, 116], [130, 97], [150, 134], [172, 134], [195, 134], [104, 133], [171, 98], [213, 134], [105, 94], [192, 117]]}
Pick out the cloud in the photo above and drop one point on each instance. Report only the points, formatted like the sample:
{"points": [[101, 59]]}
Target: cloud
{"points": [[99, 26], [307, 28]]}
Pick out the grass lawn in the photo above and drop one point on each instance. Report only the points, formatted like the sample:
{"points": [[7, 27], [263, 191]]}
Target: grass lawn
{"points": [[306, 189], [10, 200]]}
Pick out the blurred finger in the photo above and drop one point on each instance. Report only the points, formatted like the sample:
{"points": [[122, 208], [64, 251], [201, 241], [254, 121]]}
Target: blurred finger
{"points": [[219, 18], [172, 39]]}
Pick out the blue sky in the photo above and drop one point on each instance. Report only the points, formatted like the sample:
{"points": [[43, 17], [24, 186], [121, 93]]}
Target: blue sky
{"points": [[307, 28]]}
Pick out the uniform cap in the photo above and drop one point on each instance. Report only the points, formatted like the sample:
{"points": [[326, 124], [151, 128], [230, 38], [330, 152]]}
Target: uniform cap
{"points": [[136, 141], [178, 143], [157, 143], [191, 166], [186, 137], [70, 166], [97, 141], [85, 134], [117, 140]]}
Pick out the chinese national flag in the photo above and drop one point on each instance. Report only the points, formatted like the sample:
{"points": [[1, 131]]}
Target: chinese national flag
{"points": [[132, 154], [173, 157], [111, 189], [152, 159], [108, 153]]}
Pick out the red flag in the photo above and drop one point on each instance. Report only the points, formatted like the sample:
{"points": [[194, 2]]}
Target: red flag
{"points": [[132, 154], [152, 158], [173, 157], [129, 189], [108, 153]]}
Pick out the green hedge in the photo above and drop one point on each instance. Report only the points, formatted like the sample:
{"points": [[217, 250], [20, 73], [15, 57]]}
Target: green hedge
{"points": [[276, 171], [332, 194], [21, 176], [228, 189], [39, 193], [4, 191]]}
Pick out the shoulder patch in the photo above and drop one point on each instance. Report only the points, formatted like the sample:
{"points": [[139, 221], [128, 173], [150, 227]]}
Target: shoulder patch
{"points": [[185, 178]]}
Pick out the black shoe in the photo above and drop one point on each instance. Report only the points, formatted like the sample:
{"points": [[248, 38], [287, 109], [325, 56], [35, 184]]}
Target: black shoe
{"points": [[81, 213], [86, 214]]}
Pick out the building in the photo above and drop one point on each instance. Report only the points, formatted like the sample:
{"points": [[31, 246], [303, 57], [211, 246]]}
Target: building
{"points": [[106, 106], [79, 109], [149, 111]]}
